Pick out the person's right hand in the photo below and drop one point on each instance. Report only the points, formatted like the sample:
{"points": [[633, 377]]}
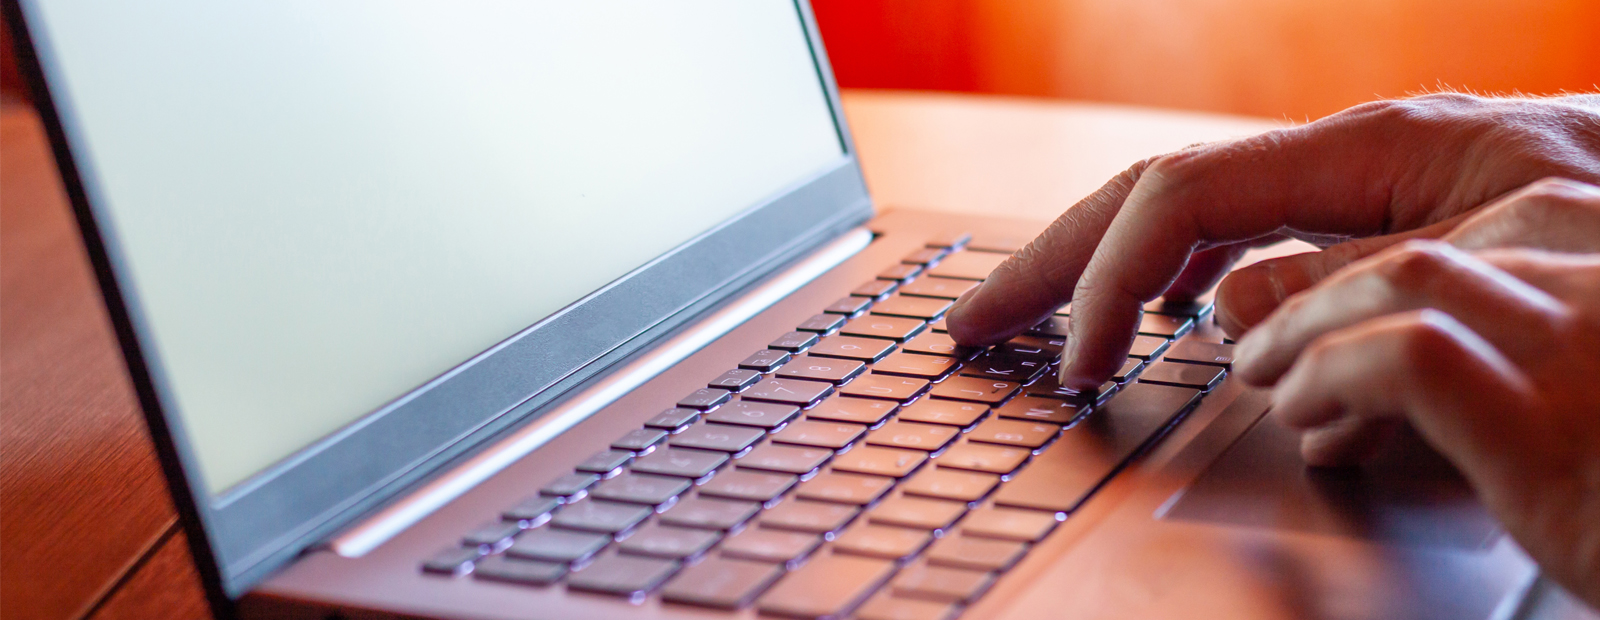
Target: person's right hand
{"points": [[1378, 173]]}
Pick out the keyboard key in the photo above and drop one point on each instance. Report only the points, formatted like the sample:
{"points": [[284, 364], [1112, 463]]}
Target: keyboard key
{"points": [[1048, 347], [976, 553], [1201, 352], [920, 308], [924, 256], [879, 541], [819, 434], [1048, 387], [748, 485], [938, 288], [886, 607], [736, 379], [1014, 433], [1008, 524], [868, 411], [673, 419], [639, 439], [973, 389], [962, 486], [993, 365], [494, 535], [848, 306], [813, 368], [864, 349], [1195, 376], [673, 543], [793, 342], [513, 570], [900, 272], [985, 458], [887, 327], [950, 241], [570, 485], [1063, 476], [822, 323], [603, 462], [532, 510], [1003, 243], [1164, 326], [1129, 369], [601, 517], [968, 265], [452, 561], [830, 585], [1191, 309], [709, 514], [765, 360], [789, 391], [677, 462], [721, 583], [929, 367], [938, 343], [947, 412], [916, 512], [748, 413], [876, 461], [704, 398], [888, 387], [843, 488], [636, 488], [913, 436], [784, 459], [557, 545], [718, 437], [622, 574], [1148, 347], [875, 288], [803, 516], [941, 583], [1056, 325], [764, 545], [1041, 409]]}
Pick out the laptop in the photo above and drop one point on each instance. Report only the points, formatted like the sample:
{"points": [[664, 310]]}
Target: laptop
{"points": [[583, 310]]}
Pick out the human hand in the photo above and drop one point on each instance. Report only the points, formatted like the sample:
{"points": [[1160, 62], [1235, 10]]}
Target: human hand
{"points": [[1492, 356], [1174, 224]]}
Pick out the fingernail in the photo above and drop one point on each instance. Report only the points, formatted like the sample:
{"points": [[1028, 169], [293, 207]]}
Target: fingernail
{"points": [[1069, 352], [1248, 349], [955, 316]]}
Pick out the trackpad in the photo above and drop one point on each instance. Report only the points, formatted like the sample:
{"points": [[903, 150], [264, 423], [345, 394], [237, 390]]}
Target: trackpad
{"points": [[1407, 495]]}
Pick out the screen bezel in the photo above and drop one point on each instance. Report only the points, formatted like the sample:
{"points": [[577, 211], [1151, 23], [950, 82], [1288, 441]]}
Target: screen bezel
{"points": [[239, 536]]}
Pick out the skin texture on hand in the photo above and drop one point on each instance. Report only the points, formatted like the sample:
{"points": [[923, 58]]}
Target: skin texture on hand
{"points": [[1383, 172]]}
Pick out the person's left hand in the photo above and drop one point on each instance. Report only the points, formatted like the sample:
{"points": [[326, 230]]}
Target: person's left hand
{"points": [[1492, 355]]}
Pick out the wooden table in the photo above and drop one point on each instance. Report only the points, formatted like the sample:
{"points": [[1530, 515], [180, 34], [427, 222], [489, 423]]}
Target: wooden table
{"points": [[88, 530]]}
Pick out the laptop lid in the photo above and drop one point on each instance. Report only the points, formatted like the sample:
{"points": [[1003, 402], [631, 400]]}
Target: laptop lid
{"points": [[344, 243]]}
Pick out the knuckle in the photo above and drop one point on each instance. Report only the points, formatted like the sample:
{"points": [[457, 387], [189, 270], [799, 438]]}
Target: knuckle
{"points": [[1416, 263], [1428, 345]]}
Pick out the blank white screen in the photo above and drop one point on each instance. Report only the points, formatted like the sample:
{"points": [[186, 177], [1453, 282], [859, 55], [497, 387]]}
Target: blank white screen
{"points": [[324, 204]]}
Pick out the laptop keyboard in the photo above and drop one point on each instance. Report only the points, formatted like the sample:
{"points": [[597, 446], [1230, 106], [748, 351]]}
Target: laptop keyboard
{"points": [[861, 464]]}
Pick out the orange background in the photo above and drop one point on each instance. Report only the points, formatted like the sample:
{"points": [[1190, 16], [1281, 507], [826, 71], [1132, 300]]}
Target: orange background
{"points": [[1279, 58], [1292, 59]]}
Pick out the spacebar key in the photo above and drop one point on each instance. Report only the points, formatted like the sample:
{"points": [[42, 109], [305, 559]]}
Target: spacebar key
{"points": [[828, 585], [1074, 466]]}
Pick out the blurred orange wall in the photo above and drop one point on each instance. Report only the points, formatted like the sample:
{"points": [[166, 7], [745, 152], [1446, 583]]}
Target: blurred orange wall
{"points": [[1278, 58]]}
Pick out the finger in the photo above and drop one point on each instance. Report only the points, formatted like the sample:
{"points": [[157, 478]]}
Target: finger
{"points": [[1248, 295], [1552, 214], [1573, 278], [1455, 388], [1496, 305], [1205, 268], [1346, 441], [1039, 278], [1215, 195]]}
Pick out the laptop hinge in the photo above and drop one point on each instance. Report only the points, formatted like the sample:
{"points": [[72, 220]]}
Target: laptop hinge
{"points": [[395, 518]]}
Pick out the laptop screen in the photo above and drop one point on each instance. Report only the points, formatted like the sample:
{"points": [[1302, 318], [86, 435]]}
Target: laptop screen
{"points": [[323, 205]]}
